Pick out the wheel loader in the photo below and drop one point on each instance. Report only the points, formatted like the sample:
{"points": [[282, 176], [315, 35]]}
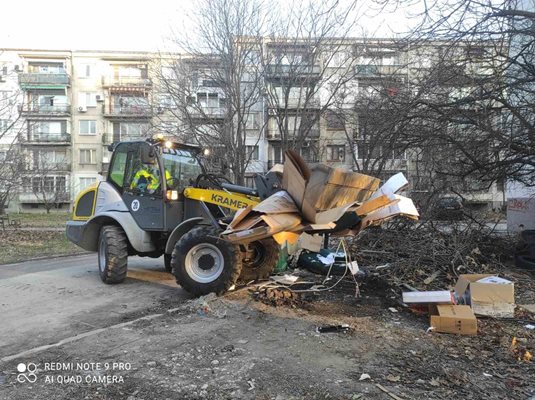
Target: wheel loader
{"points": [[159, 199]]}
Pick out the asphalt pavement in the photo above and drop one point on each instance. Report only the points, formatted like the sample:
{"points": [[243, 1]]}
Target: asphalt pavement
{"points": [[44, 301]]}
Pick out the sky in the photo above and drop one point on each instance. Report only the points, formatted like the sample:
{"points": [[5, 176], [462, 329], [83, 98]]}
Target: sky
{"points": [[118, 24]]}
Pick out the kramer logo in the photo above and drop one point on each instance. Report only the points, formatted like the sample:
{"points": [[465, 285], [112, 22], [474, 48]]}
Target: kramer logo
{"points": [[226, 201], [26, 373]]}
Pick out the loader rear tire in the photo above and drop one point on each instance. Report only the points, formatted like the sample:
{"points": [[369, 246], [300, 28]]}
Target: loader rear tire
{"points": [[266, 255], [202, 263], [112, 254]]}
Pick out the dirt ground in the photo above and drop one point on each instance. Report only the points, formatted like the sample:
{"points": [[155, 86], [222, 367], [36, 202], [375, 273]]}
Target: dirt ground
{"points": [[238, 347]]}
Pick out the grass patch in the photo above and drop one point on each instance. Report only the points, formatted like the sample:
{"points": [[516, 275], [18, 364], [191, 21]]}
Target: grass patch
{"points": [[42, 220], [19, 246]]}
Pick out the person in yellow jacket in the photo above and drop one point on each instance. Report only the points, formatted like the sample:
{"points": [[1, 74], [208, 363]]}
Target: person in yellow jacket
{"points": [[148, 180]]}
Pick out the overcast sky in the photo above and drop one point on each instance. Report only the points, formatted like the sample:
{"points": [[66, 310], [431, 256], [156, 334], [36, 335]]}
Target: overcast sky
{"points": [[117, 24]]}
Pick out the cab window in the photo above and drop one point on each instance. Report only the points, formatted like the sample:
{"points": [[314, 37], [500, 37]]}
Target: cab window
{"points": [[181, 168], [142, 177], [117, 169]]}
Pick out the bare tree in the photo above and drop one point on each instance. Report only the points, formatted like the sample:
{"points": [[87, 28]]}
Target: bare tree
{"points": [[307, 60], [214, 89], [478, 96], [11, 130]]}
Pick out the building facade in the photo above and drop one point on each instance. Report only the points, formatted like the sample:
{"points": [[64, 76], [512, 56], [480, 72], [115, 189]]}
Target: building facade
{"points": [[61, 110]]}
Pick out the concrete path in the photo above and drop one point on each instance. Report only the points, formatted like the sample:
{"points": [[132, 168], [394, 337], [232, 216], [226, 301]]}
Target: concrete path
{"points": [[44, 301]]}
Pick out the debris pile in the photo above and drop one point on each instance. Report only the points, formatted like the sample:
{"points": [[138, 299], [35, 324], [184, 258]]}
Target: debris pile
{"points": [[320, 199], [428, 258], [277, 296]]}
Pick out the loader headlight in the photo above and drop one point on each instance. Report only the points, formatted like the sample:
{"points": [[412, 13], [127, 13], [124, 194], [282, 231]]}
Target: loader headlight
{"points": [[172, 195], [206, 152], [158, 136], [168, 144]]}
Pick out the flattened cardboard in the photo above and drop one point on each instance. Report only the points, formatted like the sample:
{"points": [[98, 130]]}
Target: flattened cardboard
{"points": [[490, 299], [278, 203], [310, 242], [281, 222], [376, 203], [404, 207], [295, 176], [454, 319], [393, 185], [426, 297], [239, 216], [335, 187]]}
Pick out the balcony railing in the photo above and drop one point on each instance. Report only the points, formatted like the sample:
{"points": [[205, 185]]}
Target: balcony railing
{"points": [[38, 79], [128, 111], [297, 102], [292, 71], [126, 81], [313, 133], [367, 70], [56, 109], [37, 137], [208, 112], [50, 167]]}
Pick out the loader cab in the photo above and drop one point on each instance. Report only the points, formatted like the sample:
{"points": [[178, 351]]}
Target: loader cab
{"points": [[150, 178]]}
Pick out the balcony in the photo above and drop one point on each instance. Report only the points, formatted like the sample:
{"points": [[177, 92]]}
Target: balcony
{"points": [[297, 71], [297, 103], [48, 110], [135, 112], [126, 82], [31, 80], [48, 138], [50, 167], [372, 70], [208, 113], [313, 133]]}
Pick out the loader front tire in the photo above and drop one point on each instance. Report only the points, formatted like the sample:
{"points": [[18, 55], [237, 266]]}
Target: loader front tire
{"points": [[202, 263], [265, 255], [167, 263], [112, 254]]}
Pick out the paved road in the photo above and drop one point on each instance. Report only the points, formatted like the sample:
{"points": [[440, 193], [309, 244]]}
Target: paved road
{"points": [[42, 302]]}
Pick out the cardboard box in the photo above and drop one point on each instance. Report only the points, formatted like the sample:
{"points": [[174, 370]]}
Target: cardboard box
{"points": [[490, 299], [458, 319]]}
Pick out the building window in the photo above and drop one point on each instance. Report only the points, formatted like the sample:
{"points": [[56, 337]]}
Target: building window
{"points": [[366, 151], [88, 156], [252, 152], [88, 127], [86, 181], [334, 121], [87, 99], [4, 123], [336, 153], [86, 70], [252, 121]]}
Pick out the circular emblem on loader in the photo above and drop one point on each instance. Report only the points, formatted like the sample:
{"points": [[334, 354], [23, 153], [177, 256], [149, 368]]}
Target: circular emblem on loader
{"points": [[135, 205]]}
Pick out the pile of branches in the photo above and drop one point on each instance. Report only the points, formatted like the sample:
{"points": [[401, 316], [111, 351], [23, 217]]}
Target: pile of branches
{"points": [[428, 256]]}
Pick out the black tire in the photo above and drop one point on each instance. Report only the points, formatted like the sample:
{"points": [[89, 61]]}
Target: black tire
{"points": [[167, 263], [266, 256], [112, 254], [217, 268]]}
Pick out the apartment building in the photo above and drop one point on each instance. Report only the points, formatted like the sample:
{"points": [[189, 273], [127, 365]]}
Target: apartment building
{"points": [[70, 105]]}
